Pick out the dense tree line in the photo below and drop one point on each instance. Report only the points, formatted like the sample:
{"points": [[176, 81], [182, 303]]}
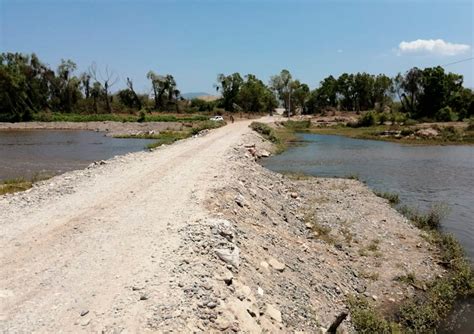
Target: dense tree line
{"points": [[28, 86]]}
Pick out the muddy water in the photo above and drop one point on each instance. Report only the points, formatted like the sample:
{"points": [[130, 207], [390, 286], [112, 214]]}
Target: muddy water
{"points": [[28, 152], [421, 175]]}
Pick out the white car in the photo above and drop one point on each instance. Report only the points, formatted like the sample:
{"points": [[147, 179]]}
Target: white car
{"points": [[216, 118]]}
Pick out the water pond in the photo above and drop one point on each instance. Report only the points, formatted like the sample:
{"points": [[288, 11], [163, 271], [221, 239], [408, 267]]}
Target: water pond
{"points": [[24, 153]]}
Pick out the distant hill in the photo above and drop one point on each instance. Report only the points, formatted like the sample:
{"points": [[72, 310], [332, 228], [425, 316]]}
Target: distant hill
{"points": [[193, 95]]}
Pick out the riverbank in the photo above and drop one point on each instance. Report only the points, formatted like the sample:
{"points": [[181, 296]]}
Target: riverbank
{"points": [[426, 134], [231, 246], [110, 128], [439, 133]]}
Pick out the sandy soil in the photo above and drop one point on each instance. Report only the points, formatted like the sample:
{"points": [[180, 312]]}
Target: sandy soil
{"points": [[197, 237]]}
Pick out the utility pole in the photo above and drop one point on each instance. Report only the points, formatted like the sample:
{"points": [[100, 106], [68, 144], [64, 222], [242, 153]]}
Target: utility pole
{"points": [[289, 102]]}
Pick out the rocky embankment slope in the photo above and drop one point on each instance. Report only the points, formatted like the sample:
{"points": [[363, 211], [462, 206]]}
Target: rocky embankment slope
{"points": [[198, 237]]}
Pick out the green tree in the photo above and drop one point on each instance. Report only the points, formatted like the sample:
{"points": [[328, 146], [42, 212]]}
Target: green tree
{"points": [[300, 96], [345, 91], [229, 87], [281, 84]]}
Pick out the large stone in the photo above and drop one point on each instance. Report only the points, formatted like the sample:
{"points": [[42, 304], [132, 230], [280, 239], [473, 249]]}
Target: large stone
{"points": [[277, 265], [273, 312], [231, 257], [428, 133]]}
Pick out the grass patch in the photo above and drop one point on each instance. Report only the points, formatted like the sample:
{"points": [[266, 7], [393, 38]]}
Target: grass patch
{"points": [[392, 198], [352, 177], [423, 312], [21, 184], [297, 125], [429, 220], [409, 278], [169, 137], [320, 231], [366, 319], [266, 131]]}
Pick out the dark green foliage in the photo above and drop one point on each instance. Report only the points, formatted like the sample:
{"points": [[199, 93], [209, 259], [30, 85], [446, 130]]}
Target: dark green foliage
{"points": [[368, 119], [229, 87], [201, 105]]}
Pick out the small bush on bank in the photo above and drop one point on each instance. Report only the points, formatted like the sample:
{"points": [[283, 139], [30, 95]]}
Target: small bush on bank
{"points": [[368, 119], [207, 125], [393, 198], [446, 114], [265, 130], [297, 125], [430, 220], [366, 319], [410, 122]]}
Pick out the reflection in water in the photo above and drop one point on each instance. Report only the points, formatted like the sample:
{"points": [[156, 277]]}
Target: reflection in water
{"points": [[24, 153], [421, 175]]}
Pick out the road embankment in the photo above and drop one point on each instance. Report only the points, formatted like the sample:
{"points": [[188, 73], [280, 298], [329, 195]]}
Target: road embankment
{"points": [[197, 236]]}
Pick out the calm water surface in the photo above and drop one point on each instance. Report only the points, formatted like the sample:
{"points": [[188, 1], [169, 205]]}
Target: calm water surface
{"points": [[27, 152], [421, 175]]}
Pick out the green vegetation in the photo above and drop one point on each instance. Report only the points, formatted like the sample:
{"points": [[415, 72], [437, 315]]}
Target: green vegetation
{"points": [[266, 131], [366, 319], [447, 135], [169, 137], [14, 185], [281, 136], [60, 117], [391, 197], [20, 184], [30, 89], [430, 220], [423, 312], [409, 278]]}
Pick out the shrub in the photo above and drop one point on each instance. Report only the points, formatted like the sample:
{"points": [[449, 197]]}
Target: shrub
{"points": [[383, 117], [265, 130], [446, 114], [430, 220], [297, 125], [368, 119], [393, 198], [450, 133], [366, 319], [410, 122], [470, 126], [141, 117], [407, 131]]}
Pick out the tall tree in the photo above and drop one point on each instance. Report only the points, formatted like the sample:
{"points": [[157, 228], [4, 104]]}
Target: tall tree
{"points": [[281, 84], [107, 80], [229, 87]]}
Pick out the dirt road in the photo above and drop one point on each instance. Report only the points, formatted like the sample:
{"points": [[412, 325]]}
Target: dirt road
{"points": [[104, 242]]}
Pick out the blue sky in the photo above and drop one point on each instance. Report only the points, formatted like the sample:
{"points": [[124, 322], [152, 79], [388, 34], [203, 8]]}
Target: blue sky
{"points": [[196, 40]]}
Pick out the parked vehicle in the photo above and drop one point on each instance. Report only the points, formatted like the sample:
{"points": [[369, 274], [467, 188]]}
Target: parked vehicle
{"points": [[216, 118]]}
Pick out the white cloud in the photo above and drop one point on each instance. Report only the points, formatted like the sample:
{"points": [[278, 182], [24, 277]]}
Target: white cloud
{"points": [[433, 46]]}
